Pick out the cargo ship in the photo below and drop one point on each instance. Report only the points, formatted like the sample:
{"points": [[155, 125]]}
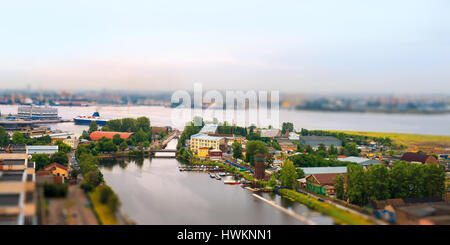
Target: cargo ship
{"points": [[86, 120]]}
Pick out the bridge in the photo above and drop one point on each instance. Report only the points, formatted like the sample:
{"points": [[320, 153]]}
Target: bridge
{"points": [[163, 150]]}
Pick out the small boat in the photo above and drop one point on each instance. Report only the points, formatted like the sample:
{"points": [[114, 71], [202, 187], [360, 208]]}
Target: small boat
{"points": [[217, 177], [231, 182], [211, 175], [222, 174], [251, 189]]}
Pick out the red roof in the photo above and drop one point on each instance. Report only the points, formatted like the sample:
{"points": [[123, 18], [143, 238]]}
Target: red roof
{"points": [[327, 179], [96, 135], [51, 166], [42, 172], [415, 157]]}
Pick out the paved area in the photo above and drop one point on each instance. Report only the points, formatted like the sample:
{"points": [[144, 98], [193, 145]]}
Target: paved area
{"points": [[70, 210]]}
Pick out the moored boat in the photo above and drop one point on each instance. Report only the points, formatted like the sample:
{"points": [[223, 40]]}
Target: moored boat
{"points": [[217, 177], [86, 120], [231, 182]]}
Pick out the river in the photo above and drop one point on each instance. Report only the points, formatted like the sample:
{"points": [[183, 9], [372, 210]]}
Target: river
{"points": [[374, 122], [154, 191]]}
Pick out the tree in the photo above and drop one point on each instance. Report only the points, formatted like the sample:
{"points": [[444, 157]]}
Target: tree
{"points": [[237, 149], [60, 157], [378, 182], [339, 186], [332, 150], [287, 127], [41, 160], [63, 147], [123, 146], [300, 173], [18, 138], [4, 137], [356, 185], [321, 147], [398, 184], [93, 127], [254, 147], [288, 175], [117, 139]]}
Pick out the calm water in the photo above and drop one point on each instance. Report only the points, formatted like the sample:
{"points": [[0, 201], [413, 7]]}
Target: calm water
{"points": [[375, 122], [153, 191]]}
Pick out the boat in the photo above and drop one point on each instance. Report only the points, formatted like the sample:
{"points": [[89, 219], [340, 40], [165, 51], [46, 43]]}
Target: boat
{"points": [[222, 174], [211, 175], [231, 182], [86, 120], [217, 177]]}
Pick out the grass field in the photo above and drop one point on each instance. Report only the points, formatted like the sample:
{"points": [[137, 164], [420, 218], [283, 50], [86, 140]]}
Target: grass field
{"points": [[106, 216], [413, 141]]}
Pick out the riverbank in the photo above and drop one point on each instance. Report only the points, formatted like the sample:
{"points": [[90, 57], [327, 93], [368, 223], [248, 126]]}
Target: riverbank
{"points": [[340, 216], [104, 213]]}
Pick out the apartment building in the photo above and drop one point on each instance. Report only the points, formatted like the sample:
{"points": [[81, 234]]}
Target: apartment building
{"points": [[198, 141], [17, 190]]}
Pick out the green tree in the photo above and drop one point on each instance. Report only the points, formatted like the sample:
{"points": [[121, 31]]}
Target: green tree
{"points": [[399, 180], [332, 150], [60, 157], [41, 160], [93, 127], [4, 137], [254, 147], [288, 175], [287, 127], [123, 146], [339, 186], [117, 139], [378, 182], [63, 147], [356, 185], [237, 149], [18, 138], [300, 173]]}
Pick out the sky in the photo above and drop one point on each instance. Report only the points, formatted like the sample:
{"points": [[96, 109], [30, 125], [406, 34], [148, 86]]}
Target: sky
{"points": [[306, 46]]}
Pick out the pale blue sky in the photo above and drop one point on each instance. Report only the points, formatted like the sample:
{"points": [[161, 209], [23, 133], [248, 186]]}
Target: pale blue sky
{"points": [[302, 45]]}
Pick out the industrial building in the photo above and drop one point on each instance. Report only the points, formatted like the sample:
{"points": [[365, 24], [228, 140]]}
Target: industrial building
{"points": [[41, 149], [315, 141]]}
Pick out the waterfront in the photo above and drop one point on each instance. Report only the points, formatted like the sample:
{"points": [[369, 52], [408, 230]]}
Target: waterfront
{"points": [[373, 122], [153, 191]]}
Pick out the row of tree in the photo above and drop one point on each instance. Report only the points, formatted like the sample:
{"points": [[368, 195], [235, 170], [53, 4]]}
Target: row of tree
{"points": [[381, 183]]}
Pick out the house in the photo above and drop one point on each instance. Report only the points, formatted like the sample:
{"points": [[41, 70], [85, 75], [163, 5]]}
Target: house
{"points": [[418, 158], [294, 136], [365, 162], [199, 140], [315, 141], [57, 169], [286, 145], [270, 133], [215, 154], [41, 149], [17, 190], [322, 183], [156, 131], [96, 135], [203, 152]]}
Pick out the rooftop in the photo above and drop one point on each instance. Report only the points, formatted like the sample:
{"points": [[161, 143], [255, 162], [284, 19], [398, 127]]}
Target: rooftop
{"points": [[324, 170], [414, 157], [96, 135], [205, 137], [209, 128]]}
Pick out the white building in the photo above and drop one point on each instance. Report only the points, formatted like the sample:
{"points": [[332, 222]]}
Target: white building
{"points": [[41, 149]]}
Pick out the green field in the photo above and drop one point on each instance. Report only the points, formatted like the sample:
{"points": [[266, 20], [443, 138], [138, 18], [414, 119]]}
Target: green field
{"points": [[413, 141]]}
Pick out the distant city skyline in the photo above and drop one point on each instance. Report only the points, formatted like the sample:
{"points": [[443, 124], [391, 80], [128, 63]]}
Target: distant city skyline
{"points": [[391, 47]]}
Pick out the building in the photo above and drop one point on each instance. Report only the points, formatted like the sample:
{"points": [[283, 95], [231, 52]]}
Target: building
{"points": [[315, 141], [209, 129], [17, 190], [96, 135], [41, 149], [203, 140], [57, 169], [270, 133], [286, 145], [259, 166], [365, 162], [322, 183], [324, 170], [215, 155], [294, 136], [37, 112], [203, 152], [418, 158]]}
